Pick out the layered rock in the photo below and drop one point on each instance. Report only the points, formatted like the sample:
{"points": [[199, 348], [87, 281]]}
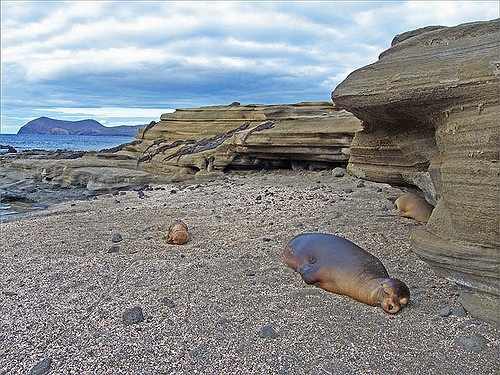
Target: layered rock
{"points": [[203, 142], [430, 111], [28, 175]]}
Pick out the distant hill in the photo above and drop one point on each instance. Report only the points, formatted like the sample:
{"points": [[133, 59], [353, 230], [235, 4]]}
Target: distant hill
{"points": [[49, 126]]}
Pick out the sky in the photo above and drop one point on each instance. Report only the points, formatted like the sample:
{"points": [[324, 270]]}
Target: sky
{"points": [[128, 62]]}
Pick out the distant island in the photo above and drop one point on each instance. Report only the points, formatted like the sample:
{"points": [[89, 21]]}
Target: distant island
{"points": [[49, 126]]}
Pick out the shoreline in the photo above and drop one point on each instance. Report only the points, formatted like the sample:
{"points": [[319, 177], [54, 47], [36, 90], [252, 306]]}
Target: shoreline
{"points": [[224, 301]]}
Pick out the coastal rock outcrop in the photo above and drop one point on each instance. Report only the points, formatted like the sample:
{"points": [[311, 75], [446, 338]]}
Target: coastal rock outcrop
{"points": [[202, 142], [430, 109], [52, 176]]}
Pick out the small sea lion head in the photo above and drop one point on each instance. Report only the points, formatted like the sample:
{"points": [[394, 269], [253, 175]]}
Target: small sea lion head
{"points": [[304, 262], [178, 237], [394, 295], [177, 232]]}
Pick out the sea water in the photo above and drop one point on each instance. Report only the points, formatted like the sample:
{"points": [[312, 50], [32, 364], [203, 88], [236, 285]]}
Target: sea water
{"points": [[23, 142]]}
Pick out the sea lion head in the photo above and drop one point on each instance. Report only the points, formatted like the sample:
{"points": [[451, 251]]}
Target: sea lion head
{"points": [[177, 232], [304, 262], [394, 295]]}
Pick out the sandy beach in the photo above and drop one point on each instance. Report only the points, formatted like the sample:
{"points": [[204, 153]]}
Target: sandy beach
{"points": [[224, 303]]}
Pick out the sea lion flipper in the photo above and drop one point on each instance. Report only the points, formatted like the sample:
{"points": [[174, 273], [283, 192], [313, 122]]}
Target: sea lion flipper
{"points": [[308, 273]]}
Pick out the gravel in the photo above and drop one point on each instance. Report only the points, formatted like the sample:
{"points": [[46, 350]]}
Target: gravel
{"points": [[224, 302]]}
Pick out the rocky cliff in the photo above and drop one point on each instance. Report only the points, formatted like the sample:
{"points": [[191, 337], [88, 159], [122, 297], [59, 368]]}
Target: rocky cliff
{"points": [[430, 111], [202, 142]]}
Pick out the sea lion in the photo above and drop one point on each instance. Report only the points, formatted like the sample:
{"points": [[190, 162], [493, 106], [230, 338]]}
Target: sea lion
{"points": [[177, 232], [414, 207], [340, 266]]}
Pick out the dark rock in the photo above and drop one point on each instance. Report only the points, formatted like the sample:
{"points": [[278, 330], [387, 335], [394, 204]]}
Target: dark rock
{"points": [[117, 237], [445, 312], [133, 315], [473, 343], [6, 149], [223, 321], [168, 302], [42, 367], [268, 332], [459, 311], [114, 248]]}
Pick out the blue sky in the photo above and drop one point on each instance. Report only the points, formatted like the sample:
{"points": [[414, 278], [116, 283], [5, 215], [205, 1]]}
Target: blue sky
{"points": [[127, 62]]}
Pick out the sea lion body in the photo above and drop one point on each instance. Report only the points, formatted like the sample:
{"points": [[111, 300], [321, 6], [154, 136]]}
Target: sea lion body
{"points": [[337, 265], [414, 207], [178, 233]]}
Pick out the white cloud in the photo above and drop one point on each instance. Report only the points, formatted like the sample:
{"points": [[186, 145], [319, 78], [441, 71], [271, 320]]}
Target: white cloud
{"points": [[110, 112], [114, 55]]}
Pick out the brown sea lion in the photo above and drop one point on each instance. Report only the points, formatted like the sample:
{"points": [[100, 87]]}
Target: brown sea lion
{"points": [[177, 232], [414, 207], [340, 266]]}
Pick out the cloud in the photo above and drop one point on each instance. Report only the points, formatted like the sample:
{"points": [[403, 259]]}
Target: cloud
{"points": [[110, 116], [152, 54], [106, 112]]}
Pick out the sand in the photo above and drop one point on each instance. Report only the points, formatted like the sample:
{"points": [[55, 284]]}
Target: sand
{"points": [[224, 303]]}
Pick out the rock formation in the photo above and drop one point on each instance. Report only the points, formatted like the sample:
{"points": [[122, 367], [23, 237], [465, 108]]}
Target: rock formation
{"points": [[203, 142], [35, 175], [430, 111]]}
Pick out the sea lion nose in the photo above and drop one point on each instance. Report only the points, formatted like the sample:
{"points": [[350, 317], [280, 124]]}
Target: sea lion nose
{"points": [[304, 268]]}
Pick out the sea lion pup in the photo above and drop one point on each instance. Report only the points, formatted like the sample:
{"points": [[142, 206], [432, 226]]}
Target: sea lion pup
{"points": [[177, 232], [414, 207], [340, 266]]}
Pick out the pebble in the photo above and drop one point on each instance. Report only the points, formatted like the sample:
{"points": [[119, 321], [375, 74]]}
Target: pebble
{"points": [[445, 312], [132, 316], [473, 343], [114, 249], [168, 302], [338, 172], [459, 311], [117, 238], [223, 321], [42, 367], [267, 332]]}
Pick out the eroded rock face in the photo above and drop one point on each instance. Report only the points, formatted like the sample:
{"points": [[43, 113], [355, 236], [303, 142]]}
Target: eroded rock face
{"points": [[430, 110], [203, 142], [21, 173]]}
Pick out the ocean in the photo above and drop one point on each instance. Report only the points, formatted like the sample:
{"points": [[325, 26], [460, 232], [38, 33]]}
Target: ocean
{"points": [[23, 142]]}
